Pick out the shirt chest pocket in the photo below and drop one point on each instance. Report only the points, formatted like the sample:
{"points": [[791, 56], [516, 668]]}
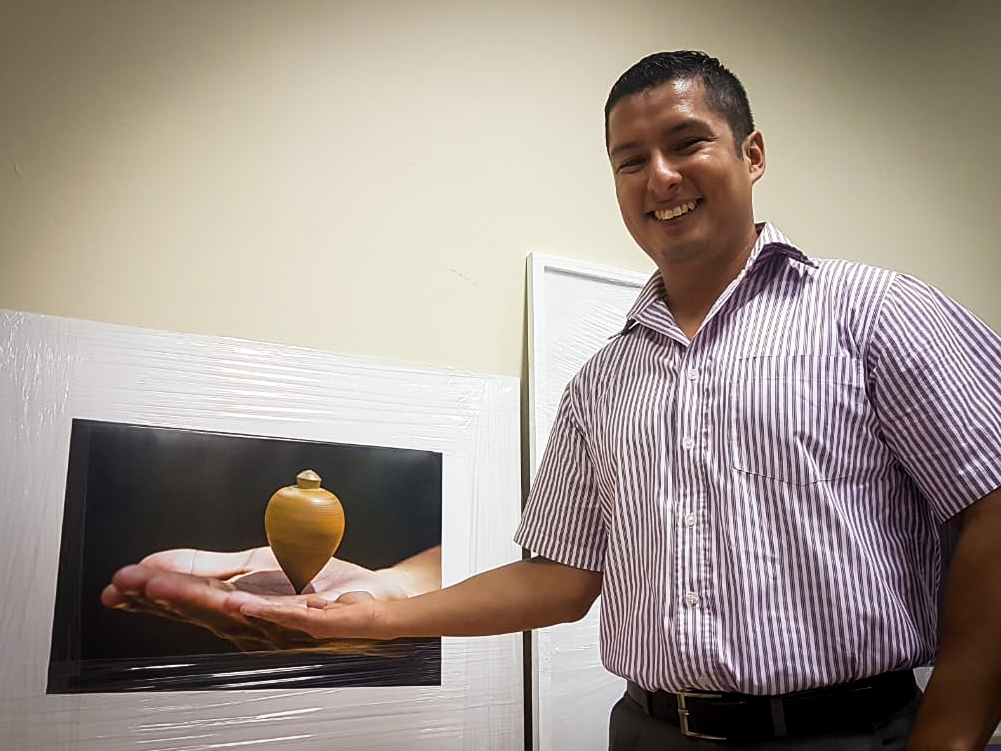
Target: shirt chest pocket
{"points": [[799, 419]]}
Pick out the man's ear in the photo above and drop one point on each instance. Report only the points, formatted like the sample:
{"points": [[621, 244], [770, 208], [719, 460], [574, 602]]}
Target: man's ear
{"points": [[754, 154]]}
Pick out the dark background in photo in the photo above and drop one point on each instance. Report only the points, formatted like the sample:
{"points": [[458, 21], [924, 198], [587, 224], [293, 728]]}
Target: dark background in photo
{"points": [[132, 490]]}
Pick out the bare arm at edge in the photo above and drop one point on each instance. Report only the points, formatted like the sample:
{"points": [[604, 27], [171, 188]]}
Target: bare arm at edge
{"points": [[962, 703]]}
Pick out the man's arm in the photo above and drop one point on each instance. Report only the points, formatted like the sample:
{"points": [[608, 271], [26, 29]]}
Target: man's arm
{"points": [[517, 597], [962, 703]]}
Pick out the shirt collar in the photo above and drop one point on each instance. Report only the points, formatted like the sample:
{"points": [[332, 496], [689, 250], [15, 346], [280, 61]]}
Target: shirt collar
{"points": [[771, 241]]}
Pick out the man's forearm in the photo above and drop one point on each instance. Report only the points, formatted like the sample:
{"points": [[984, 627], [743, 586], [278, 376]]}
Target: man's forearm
{"points": [[517, 597], [962, 701]]}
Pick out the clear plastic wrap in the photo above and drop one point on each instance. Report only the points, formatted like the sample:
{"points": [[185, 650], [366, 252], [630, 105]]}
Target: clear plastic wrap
{"points": [[119, 442]]}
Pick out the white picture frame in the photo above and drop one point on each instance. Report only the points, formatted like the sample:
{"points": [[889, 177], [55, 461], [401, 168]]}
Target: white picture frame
{"points": [[53, 370], [574, 308]]}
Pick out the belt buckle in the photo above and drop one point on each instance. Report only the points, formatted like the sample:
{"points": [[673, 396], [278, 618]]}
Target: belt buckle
{"points": [[683, 714]]}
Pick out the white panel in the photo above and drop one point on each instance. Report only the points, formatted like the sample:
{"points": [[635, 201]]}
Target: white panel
{"points": [[575, 307], [53, 370]]}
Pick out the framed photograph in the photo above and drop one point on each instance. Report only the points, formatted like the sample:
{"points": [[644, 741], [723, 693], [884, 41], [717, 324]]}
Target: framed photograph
{"points": [[135, 489], [120, 442], [574, 308]]}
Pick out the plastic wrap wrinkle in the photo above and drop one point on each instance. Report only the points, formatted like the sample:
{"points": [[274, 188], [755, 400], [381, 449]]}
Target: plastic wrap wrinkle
{"points": [[56, 371]]}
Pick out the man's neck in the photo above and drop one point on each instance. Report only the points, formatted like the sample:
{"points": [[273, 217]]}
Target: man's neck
{"points": [[692, 289]]}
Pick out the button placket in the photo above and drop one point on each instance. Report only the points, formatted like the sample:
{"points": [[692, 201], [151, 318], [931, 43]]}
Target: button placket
{"points": [[689, 417]]}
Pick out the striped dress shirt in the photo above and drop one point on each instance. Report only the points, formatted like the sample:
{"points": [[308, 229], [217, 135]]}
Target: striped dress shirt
{"points": [[764, 499]]}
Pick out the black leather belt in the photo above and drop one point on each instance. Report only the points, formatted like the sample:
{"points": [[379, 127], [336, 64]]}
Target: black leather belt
{"points": [[848, 708]]}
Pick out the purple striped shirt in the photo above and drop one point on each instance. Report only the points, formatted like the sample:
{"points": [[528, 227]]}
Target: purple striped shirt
{"points": [[764, 499]]}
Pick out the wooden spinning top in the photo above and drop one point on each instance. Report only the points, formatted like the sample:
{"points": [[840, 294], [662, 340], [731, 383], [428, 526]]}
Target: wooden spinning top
{"points": [[304, 524]]}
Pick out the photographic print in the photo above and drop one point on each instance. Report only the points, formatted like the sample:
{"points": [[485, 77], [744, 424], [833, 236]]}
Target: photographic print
{"points": [[133, 490]]}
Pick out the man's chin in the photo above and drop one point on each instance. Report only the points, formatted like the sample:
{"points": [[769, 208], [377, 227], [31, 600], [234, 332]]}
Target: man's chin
{"points": [[677, 254]]}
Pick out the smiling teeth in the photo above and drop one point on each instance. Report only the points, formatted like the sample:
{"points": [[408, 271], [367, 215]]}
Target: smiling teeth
{"points": [[665, 214]]}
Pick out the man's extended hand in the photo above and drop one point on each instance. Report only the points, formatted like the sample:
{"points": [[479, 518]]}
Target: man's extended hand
{"points": [[350, 608], [208, 588]]}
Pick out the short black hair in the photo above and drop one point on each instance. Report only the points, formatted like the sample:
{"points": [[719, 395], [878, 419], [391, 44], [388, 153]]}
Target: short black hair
{"points": [[724, 92]]}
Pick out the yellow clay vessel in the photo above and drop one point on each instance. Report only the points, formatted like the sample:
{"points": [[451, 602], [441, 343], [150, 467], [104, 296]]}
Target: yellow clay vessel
{"points": [[304, 524]]}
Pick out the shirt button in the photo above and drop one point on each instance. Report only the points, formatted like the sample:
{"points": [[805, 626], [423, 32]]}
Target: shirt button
{"points": [[693, 374], [690, 520], [692, 599], [688, 443]]}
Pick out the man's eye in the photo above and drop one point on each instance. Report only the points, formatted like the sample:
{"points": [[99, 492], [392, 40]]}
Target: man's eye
{"points": [[631, 164], [690, 144]]}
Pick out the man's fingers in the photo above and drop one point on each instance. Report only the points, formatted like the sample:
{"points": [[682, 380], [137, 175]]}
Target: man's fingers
{"points": [[132, 579], [344, 619], [112, 597], [297, 617], [206, 602], [187, 590], [237, 599]]}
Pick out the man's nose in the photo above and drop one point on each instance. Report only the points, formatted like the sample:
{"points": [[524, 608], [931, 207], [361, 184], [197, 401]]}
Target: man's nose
{"points": [[663, 176]]}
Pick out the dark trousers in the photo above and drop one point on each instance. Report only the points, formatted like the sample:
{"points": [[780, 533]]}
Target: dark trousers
{"points": [[631, 729]]}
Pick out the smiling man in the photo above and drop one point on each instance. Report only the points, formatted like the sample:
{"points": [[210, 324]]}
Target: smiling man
{"points": [[683, 179], [752, 473]]}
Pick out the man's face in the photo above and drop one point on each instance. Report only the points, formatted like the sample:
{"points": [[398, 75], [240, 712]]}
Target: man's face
{"points": [[683, 188]]}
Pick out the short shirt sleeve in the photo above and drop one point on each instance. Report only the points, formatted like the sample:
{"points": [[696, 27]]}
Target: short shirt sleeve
{"points": [[934, 374], [563, 518]]}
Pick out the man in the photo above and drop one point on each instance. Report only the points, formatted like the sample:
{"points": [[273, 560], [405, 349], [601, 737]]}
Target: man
{"points": [[751, 473]]}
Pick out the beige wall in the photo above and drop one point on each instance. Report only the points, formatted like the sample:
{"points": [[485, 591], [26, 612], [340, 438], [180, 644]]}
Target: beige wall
{"points": [[367, 177]]}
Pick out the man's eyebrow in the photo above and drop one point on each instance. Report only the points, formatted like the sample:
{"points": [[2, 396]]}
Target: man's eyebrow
{"points": [[684, 125], [618, 148]]}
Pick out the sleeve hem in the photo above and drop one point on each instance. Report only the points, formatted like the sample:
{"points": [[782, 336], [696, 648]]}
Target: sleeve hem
{"points": [[582, 558]]}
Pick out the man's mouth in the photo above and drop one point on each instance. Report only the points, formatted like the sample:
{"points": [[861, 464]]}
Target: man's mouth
{"points": [[665, 215]]}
